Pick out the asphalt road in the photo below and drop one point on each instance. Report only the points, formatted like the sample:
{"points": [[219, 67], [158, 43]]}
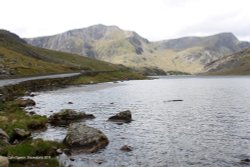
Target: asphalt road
{"points": [[5, 82]]}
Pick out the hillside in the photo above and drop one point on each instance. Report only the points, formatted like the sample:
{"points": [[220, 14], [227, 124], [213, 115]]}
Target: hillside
{"points": [[20, 59], [236, 64], [112, 44]]}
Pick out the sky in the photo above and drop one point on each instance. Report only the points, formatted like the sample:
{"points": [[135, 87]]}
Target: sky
{"points": [[152, 19]]}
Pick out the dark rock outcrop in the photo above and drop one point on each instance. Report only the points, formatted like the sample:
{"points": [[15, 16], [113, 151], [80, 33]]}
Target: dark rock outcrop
{"points": [[37, 125], [25, 102], [67, 116], [245, 161], [124, 116], [82, 138]]}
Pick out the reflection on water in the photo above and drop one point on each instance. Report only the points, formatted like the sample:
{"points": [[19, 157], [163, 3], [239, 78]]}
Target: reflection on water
{"points": [[210, 127]]}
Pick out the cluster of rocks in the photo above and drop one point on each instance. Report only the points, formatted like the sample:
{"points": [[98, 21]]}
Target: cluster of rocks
{"points": [[82, 138], [17, 135], [79, 138]]}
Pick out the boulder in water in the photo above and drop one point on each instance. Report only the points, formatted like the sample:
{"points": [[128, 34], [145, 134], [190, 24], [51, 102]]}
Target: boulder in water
{"points": [[82, 138], [124, 116], [126, 148], [67, 116]]}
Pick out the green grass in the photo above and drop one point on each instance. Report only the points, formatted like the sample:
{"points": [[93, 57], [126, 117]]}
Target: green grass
{"points": [[35, 147], [177, 73], [107, 77], [12, 116]]}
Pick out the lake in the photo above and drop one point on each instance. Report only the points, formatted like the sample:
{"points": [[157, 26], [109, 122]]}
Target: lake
{"points": [[210, 127]]}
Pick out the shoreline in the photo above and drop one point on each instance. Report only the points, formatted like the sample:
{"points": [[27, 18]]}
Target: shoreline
{"points": [[10, 93]]}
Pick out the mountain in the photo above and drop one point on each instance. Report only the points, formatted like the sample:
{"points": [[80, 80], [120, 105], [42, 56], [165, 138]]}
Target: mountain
{"points": [[97, 41], [112, 44], [17, 58], [236, 64]]}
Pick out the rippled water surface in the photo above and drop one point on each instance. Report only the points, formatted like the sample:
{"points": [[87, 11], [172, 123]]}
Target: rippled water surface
{"points": [[210, 127]]}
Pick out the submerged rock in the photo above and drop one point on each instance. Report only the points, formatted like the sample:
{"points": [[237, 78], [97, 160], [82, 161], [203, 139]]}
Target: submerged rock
{"points": [[124, 116], [99, 161], [177, 100], [4, 161], [67, 116], [82, 138], [21, 134], [126, 148], [245, 161], [4, 137], [25, 102]]}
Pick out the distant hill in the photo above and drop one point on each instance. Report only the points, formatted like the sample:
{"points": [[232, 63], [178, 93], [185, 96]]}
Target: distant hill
{"points": [[17, 58], [112, 44], [236, 64]]}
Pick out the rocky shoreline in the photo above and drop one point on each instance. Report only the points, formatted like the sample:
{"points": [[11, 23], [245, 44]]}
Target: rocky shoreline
{"points": [[20, 137]]}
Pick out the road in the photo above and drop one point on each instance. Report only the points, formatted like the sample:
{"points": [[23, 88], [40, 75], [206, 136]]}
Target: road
{"points": [[5, 82]]}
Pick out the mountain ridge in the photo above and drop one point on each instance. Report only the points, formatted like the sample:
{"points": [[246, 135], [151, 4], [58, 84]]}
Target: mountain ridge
{"points": [[235, 64], [112, 44]]}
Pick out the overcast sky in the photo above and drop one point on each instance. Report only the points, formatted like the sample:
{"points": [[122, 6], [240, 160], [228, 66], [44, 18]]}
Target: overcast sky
{"points": [[152, 19]]}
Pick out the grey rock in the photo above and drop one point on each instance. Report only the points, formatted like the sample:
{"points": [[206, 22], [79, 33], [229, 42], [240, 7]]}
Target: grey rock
{"points": [[59, 151], [21, 134], [4, 137], [67, 116], [124, 116], [4, 161], [82, 138]]}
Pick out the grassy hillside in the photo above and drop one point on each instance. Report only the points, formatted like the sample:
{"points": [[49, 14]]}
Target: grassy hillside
{"points": [[236, 64], [17, 58]]}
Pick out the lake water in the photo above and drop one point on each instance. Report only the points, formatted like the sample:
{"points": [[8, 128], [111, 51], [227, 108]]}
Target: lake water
{"points": [[210, 127]]}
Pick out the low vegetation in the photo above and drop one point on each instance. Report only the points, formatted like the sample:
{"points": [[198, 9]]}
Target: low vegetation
{"points": [[12, 116], [177, 73], [32, 148], [107, 77]]}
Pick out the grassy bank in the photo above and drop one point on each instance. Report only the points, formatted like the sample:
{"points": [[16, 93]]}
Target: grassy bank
{"points": [[108, 77]]}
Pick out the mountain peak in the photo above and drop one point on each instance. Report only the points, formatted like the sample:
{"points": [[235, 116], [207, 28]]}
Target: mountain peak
{"points": [[226, 36], [227, 39]]}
